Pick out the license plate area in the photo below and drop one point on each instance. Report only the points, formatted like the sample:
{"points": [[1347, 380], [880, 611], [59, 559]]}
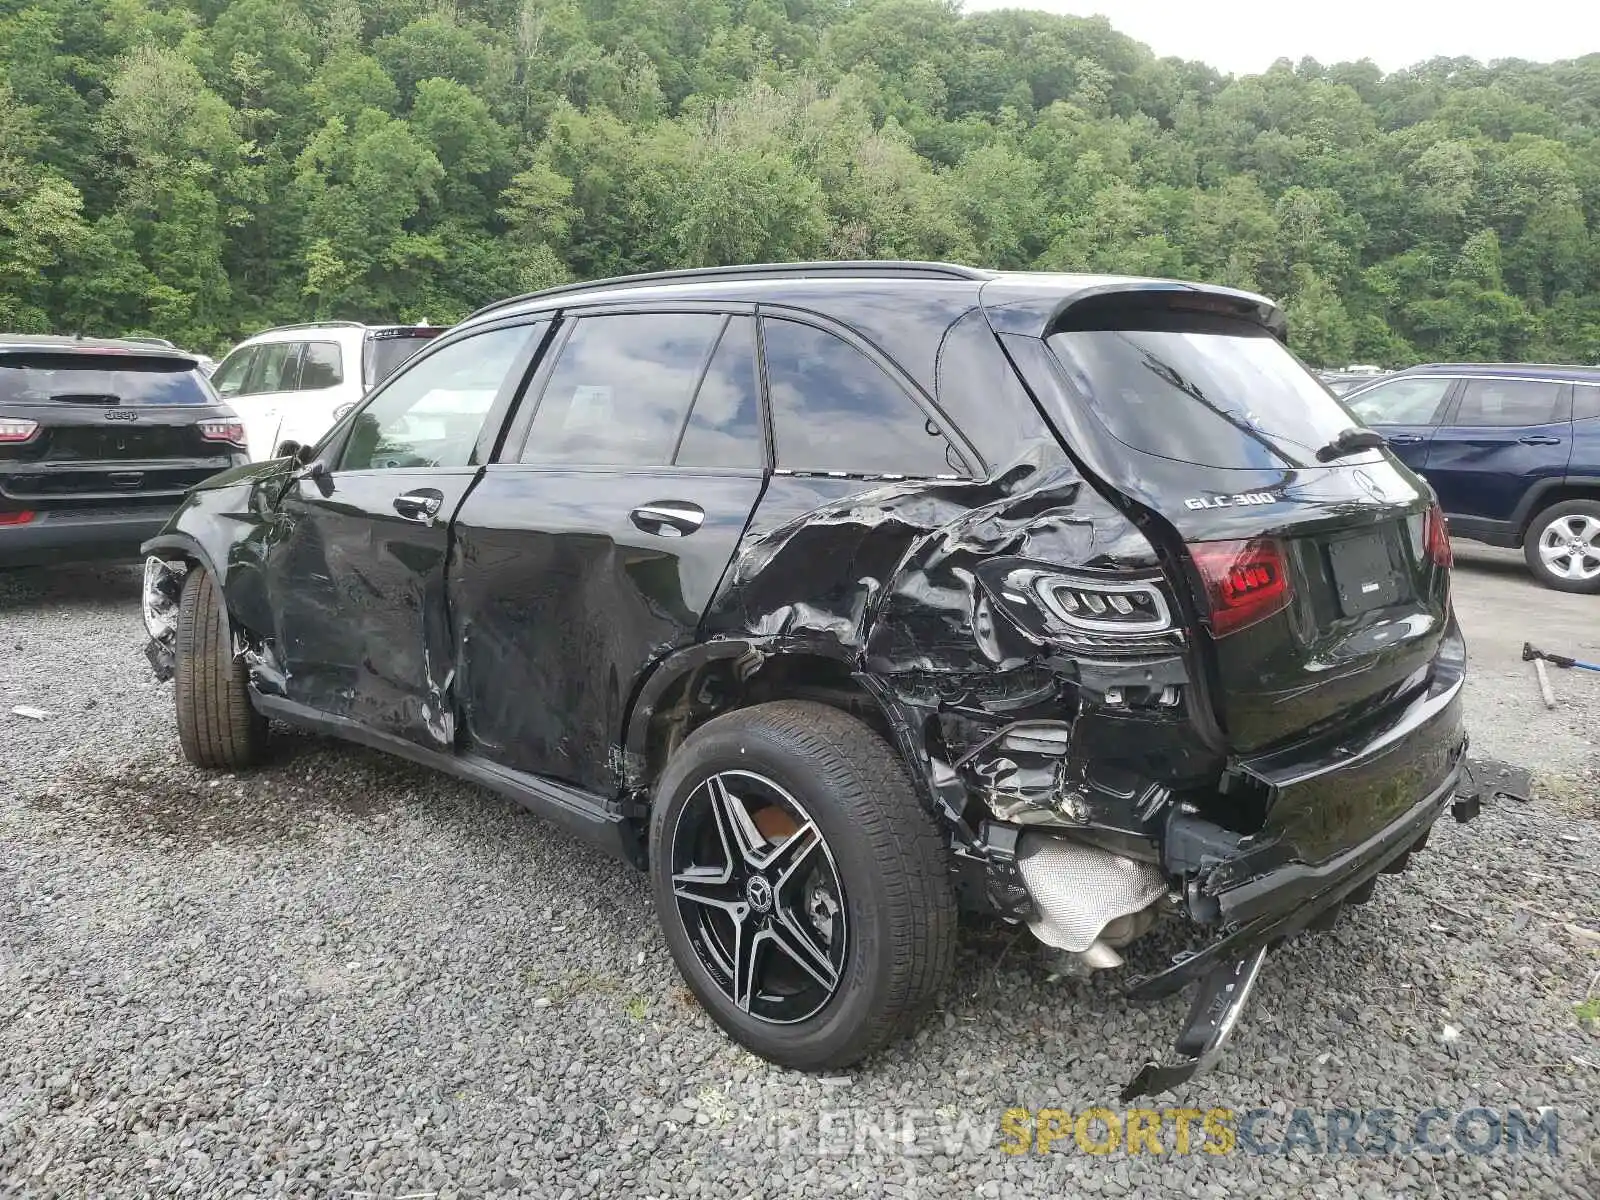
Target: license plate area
{"points": [[1364, 572]]}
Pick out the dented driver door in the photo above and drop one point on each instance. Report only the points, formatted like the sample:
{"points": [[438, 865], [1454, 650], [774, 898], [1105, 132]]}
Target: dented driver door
{"points": [[356, 568]]}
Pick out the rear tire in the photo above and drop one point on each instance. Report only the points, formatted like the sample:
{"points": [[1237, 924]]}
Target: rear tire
{"points": [[1562, 546], [217, 726], [870, 897]]}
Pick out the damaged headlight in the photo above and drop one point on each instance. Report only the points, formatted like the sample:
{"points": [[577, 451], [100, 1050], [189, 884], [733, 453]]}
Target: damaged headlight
{"points": [[163, 586]]}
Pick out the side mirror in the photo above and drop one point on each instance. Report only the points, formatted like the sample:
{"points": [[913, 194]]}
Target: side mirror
{"points": [[288, 448]]}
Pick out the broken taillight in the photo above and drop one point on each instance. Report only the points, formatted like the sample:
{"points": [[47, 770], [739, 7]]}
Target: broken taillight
{"points": [[1436, 538], [1245, 581]]}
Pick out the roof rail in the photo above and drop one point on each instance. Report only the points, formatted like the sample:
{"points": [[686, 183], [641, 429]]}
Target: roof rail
{"points": [[311, 325], [855, 269]]}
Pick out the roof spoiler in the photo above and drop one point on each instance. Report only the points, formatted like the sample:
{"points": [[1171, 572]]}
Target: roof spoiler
{"points": [[1113, 303]]}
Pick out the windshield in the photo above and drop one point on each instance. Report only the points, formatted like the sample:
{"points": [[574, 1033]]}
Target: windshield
{"points": [[1216, 393], [91, 379], [391, 347]]}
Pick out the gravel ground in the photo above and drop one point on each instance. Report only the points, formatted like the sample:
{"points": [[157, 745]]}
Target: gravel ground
{"points": [[340, 975]]}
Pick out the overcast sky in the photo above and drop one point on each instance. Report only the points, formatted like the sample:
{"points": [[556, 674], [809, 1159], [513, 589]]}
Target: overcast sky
{"points": [[1247, 37]]}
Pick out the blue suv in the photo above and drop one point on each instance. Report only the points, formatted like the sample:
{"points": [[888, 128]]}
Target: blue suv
{"points": [[1513, 451]]}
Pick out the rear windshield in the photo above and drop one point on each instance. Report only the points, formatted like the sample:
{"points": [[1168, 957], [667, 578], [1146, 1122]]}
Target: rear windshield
{"points": [[391, 347], [1217, 392], [92, 379]]}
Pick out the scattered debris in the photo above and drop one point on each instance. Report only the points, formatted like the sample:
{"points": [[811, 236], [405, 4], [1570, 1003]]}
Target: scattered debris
{"points": [[1489, 778], [1449, 1035], [32, 713]]}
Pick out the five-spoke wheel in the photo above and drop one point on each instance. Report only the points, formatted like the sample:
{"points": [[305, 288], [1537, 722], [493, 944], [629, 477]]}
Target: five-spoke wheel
{"points": [[802, 887], [758, 890]]}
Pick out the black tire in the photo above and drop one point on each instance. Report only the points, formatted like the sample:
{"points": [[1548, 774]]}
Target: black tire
{"points": [[885, 849], [1572, 522], [217, 726]]}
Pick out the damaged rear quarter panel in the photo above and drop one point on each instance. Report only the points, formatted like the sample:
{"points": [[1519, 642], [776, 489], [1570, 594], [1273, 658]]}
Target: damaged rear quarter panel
{"points": [[884, 576]]}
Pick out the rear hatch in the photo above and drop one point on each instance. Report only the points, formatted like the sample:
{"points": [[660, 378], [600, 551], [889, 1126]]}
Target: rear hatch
{"points": [[390, 345], [1320, 588], [96, 426]]}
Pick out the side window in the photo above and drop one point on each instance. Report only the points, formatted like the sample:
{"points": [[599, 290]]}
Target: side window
{"points": [[620, 390], [321, 366], [1585, 401], [1412, 401], [1509, 402], [724, 428], [834, 409], [276, 368], [230, 374], [430, 415]]}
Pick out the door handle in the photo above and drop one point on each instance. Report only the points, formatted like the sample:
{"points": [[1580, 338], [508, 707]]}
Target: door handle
{"points": [[1403, 439], [420, 506], [1539, 439], [668, 518]]}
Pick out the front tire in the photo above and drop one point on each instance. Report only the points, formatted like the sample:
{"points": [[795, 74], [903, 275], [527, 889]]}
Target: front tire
{"points": [[217, 726], [803, 890], [1562, 547]]}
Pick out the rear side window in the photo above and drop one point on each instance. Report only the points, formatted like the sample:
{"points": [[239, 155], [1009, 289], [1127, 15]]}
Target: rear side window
{"points": [[388, 348], [1415, 400], [321, 366], [1492, 402], [724, 428], [834, 409], [108, 379], [1214, 391], [620, 391], [1585, 401], [276, 368]]}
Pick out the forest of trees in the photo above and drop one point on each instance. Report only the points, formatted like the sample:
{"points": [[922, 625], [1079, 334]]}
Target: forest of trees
{"points": [[200, 169]]}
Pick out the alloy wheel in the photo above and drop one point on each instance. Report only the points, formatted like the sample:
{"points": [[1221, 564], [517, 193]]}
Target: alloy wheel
{"points": [[760, 897], [1569, 547]]}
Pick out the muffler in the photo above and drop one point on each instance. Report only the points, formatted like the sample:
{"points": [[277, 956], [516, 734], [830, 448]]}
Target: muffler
{"points": [[1079, 890]]}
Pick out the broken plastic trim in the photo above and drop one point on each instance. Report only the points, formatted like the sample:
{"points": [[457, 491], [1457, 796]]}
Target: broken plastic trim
{"points": [[1213, 1016], [163, 587]]}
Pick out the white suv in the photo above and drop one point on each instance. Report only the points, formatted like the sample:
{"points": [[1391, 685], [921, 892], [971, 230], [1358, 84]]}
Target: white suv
{"points": [[295, 381]]}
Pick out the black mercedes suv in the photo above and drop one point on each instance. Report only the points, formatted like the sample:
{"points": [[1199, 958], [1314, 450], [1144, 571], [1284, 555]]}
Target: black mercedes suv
{"points": [[843, 597], [99, 441]]}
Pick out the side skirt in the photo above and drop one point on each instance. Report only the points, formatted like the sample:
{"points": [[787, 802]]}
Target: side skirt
{"points": [[590, 817]]}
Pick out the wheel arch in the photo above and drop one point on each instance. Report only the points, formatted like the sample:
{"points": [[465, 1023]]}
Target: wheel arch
{"points": [[694, 685], [1550, 492], [187, 548]]}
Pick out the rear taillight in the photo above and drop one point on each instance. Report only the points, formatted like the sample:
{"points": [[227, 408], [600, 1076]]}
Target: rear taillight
{"points": [[13, 431], [1245, 581], [223, 431], [1436, 538], [15, 518]]}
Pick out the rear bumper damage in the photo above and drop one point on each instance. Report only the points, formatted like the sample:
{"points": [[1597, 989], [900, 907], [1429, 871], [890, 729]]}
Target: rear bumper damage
{"points": [[1330, 816], [1294, 898]]}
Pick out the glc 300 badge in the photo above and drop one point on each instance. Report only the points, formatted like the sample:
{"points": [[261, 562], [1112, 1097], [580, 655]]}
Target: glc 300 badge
{"points": [[1238, 500]]}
